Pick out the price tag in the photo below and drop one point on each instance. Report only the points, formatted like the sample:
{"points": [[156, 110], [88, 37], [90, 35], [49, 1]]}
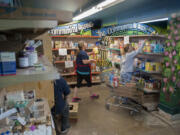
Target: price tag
{"points": [[126, 40], [69, 64], [63, 51]]}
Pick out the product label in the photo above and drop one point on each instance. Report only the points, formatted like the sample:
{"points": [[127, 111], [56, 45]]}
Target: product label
{"points": [[7, 56], [23, 62]]}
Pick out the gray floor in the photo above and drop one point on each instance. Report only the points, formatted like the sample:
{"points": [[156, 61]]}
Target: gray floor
{"points": [[94, 119]]}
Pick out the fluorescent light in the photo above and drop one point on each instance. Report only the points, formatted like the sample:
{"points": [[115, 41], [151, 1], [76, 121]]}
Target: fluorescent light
{"points": [[86, 13], [105, 3], [96, 9], [156, 20]]}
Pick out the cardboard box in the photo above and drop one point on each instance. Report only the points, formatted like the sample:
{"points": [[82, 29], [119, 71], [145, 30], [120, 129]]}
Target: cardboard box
{"points": [[7, 63], [73, 110]]}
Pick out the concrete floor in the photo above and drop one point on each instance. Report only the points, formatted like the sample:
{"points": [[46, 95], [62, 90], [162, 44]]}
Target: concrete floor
{"points": [[94, 119]]}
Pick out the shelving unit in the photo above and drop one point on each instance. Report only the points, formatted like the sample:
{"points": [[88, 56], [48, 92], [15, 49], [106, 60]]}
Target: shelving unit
{"points": [[59, 61], [46, 72], [148, 96]]}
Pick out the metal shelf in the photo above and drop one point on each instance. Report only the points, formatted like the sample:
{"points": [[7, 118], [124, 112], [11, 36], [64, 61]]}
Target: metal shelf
{"points": [[146, 90], [157, 73], [115, 49], [48, 72]]}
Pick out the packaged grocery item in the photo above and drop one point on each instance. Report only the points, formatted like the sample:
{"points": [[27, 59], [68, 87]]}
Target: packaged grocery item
{"points": [[32, 56], [115, 82], [7, 63], [23, 61]]}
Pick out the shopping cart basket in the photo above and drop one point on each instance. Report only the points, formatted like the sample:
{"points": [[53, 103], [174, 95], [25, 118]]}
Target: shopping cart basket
{"points": [[125, 96]]}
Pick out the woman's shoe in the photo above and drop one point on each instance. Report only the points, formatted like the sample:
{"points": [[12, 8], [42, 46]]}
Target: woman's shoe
{"points": [[76, 99], [94, 96]]}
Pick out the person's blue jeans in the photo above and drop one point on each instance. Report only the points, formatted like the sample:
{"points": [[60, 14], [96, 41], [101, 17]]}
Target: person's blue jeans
{"points": [[64, 118], [126, 77]]}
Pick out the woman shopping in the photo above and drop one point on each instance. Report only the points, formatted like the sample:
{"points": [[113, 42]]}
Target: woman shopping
{"points": [[127, 61], [83, 70]]}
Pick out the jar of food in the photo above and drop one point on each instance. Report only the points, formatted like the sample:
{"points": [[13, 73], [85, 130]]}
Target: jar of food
{"points": [[32, 56], [23, 61]]}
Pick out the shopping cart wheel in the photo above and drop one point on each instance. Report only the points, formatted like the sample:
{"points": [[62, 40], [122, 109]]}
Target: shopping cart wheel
{"points": [[107, 106]]}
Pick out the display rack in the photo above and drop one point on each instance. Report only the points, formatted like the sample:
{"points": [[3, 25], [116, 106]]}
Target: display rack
{"points": [[70, 76], [149, 97], [45, 72]]}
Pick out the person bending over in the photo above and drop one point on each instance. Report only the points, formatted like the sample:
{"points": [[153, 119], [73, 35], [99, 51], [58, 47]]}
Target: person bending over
{"points": [[61, 108]]}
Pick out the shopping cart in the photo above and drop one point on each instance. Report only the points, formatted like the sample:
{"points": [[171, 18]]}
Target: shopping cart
{"points": [[125, 96]]}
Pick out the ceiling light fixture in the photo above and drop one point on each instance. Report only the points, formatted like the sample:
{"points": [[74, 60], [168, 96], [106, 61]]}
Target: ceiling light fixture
{"points": [[156, 20], [96, 9]]}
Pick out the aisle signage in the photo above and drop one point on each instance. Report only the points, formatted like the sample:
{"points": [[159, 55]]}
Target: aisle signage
{"points": [[124, 29], [63, 52], [126, 40], [69, 64], [71, 28]]}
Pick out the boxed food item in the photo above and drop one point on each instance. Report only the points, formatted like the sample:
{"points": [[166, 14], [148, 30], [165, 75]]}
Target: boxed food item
{"points": [[7, 63], [15, 96]]}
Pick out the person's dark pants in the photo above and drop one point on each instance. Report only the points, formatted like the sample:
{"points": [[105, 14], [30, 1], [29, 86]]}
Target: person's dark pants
{"points": [[80, 78], [65, 118], [62, 117]]}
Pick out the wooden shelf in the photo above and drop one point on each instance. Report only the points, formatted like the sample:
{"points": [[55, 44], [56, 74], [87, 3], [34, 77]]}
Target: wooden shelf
{"points": [[75, 36], [137, 36], [74, 83], [56, 62], [47, 72], [56, 49], [72, 74]]}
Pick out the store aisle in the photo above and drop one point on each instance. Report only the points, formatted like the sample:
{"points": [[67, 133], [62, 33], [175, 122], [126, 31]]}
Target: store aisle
{"points": [[94, 119]]}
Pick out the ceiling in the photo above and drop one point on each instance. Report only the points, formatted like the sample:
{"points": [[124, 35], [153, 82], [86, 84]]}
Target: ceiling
{"points": [[137, 10], [67, 5]]}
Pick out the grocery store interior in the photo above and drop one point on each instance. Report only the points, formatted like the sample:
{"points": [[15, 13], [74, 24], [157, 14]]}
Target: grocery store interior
{"points": [[89, 67]]}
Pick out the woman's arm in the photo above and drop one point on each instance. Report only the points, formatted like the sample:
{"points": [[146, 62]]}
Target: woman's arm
{"points": [[134, 53], [88, 61], [90, 53]]}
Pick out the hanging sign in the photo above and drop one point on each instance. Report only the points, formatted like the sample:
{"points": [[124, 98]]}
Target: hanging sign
{"points": [[71, 28], [69, 64], [127, 29], [126, 40], [63, 52]]}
